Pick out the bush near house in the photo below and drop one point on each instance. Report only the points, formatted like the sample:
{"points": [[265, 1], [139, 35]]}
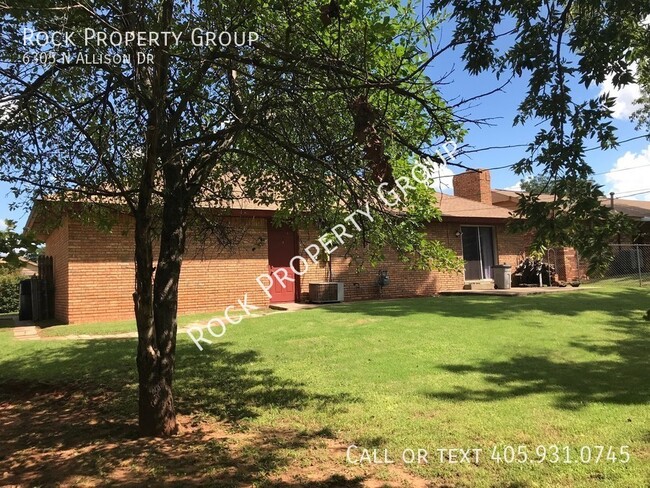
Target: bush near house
{"points": [[9, 292]]}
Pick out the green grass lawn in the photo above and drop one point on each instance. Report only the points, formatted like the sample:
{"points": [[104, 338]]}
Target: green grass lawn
{"points": [[122, 326], [568, 369]]}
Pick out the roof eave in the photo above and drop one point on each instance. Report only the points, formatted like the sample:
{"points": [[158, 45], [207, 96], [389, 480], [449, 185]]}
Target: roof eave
{"points": [[478, 220]]}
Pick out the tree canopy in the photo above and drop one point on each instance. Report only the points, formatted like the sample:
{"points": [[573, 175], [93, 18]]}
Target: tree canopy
{"points": [[307, 105], [167, 107], [557, 45], [642, 66], [14, 245], [537, 184], [316, 102]]}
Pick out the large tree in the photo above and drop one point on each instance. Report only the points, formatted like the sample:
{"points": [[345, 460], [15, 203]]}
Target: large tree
{"points": [[14, 246], [557, 45], [642, 67], [311, 106]]}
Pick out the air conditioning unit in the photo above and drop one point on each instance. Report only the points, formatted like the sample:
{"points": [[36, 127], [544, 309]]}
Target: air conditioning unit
{"points": [[325, 292]]}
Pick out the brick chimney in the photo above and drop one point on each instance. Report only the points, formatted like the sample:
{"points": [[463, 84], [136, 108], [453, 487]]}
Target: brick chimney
{"points": [[474, 185]]}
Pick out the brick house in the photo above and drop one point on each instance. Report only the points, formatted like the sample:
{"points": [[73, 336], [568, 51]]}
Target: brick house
{"points": [[94, 270], [27, 268], [566, 260], [568, 263], [637, 210]]}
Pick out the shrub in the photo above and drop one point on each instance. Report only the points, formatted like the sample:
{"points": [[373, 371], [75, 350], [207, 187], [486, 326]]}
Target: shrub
{"points": [[9, 291]]}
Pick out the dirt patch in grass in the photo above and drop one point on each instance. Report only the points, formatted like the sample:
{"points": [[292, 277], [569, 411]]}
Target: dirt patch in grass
{"points": [[75, 435]]}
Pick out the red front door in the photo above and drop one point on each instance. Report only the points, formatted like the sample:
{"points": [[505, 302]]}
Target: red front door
{"points": [[282, 247]]}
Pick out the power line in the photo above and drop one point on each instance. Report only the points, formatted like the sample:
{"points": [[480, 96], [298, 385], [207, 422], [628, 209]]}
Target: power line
{"points": [[622, 169], [632, 195], [621, 142], [626, 194], [594, 174], [526, 145], [632, 191], [489, 148]]}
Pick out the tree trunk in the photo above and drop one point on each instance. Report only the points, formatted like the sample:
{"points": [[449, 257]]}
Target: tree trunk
{"points": [[157, 344], [156, 404], [156, 328], [156, 411], [157, 347]]}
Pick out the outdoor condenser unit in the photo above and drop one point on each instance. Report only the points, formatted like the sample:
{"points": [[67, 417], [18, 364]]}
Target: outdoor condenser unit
{"points": [[325, 292]]}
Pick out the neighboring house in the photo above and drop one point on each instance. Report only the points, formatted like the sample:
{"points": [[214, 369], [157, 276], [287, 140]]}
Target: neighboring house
{"points": [[510, 198], [27, 267], [94, 270], [637, 210], [566, 259]]}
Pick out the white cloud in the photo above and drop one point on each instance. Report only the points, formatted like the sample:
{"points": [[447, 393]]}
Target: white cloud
{"points": [[631, 173], [443, 179], [3, 226], [515, 187], [625, 97], [7, 109]]}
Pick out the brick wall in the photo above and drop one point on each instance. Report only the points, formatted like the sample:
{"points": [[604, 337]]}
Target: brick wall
{"points": [[101, 271], [568, 267], [215, 276], [94, 271], [511, 248], [404, 282], [474, 185], [56, 246]]}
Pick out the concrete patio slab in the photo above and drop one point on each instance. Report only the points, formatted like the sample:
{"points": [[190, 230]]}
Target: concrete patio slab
{"points": [[519, 291], [293, 307], [26, 332]]}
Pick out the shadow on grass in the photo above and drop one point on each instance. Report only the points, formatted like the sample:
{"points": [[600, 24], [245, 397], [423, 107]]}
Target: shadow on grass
{"points": [[618, 303], [69, 418], [231, 385], [620, 374], [574, 384]]}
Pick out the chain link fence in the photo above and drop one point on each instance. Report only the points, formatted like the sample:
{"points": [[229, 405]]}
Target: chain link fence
{"points": [[630, 266], [631, 263]]}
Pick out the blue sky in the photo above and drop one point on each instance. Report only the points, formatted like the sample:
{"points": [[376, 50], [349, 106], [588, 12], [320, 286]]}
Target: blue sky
{"points": [[624, 170], [503, 106], [615, 169]]}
